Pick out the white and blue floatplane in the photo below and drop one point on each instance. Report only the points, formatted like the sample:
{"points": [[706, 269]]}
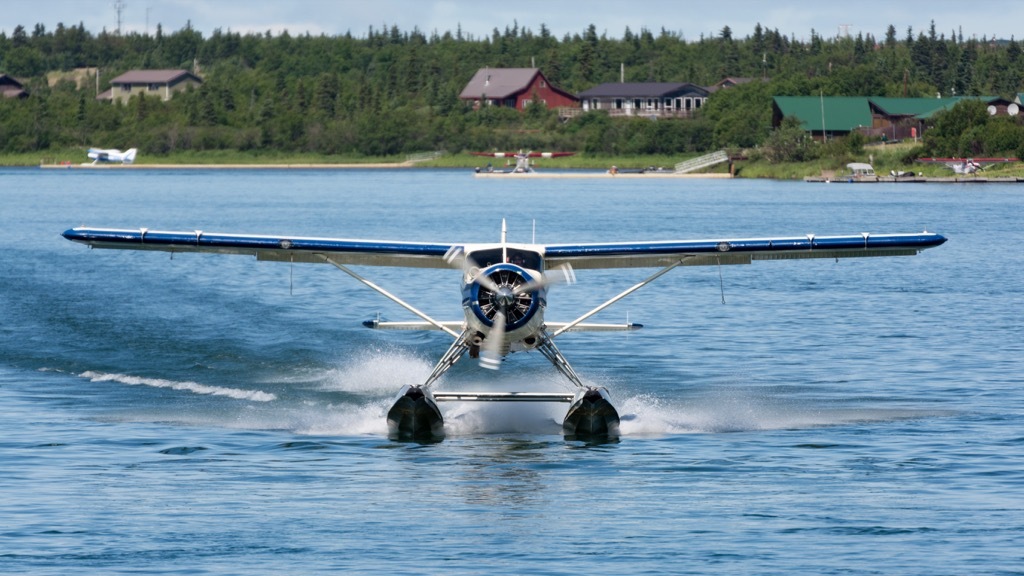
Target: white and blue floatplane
{"points": [[111, 155], [505, 296], [523, 164]]}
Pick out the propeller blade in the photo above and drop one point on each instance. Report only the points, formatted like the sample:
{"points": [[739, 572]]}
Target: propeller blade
{"points": [[457, 258], [561, 275], [490, 355], [479, 277]]}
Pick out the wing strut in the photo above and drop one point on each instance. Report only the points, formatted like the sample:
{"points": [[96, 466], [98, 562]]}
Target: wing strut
{"points": [[389, 296], [454, 353], [554, 355], [622, 295]]}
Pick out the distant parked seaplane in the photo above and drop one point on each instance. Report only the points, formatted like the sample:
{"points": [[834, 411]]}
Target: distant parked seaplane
{"points": [[523, 164], [504, 290], [112, 155], [966, 165]]}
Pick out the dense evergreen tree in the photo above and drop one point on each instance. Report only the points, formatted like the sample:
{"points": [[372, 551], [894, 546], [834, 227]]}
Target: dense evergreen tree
{"points": [[393, 91]]}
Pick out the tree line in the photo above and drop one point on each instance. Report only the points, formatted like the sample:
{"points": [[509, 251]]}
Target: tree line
{"points": [[393, 92]]}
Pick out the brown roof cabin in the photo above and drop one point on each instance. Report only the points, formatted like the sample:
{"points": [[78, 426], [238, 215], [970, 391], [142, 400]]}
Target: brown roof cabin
{"points": [[160, 83], [514, 88], [11, 88]]}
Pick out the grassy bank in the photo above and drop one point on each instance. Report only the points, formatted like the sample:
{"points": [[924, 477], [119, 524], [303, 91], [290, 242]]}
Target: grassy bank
{"points": [[883, 158], [460, 160], [78, 156]]}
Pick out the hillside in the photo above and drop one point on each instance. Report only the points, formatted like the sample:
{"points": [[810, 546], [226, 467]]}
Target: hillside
{"points": [[394, 92]]}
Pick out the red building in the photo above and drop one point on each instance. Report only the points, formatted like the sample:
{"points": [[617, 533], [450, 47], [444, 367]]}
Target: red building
{"points": [[515, 88]]}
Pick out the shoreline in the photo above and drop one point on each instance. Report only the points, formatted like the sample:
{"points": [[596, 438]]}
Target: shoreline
{"points": [[560, 174], [89, 166], [647, 175], [378, 166], [962, 179]]}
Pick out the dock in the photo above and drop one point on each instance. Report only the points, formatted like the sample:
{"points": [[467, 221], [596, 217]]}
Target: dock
{"points": [[962, 179], [606, 175]]}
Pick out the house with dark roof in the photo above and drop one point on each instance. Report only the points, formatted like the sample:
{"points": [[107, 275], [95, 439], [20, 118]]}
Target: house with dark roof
{"points": [[514, 88], [162, 84], [731, 81], [647, 99], [11, 88]]}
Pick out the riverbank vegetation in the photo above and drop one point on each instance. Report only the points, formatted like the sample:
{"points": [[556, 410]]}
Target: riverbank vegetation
{"points": [[389, 93]]}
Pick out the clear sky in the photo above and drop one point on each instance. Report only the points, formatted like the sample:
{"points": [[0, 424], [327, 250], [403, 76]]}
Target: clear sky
{"points": [[691, 19]]}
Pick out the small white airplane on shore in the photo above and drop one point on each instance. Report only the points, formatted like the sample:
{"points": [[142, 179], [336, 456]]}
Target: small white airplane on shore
{"points": [[523, 164], [504, 290], [967, 166], [112, 155]]}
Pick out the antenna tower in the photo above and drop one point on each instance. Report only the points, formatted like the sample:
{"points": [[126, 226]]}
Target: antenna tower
{"points": [[119, 5]]}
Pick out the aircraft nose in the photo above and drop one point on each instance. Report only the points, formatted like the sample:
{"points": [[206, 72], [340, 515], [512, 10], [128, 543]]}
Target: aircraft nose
{"points": [[504, 297]]}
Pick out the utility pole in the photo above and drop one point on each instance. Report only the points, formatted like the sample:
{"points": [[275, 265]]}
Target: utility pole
{"points": [[821, 94]]}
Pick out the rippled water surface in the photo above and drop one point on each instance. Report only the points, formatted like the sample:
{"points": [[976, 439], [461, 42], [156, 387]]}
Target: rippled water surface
{"points": [[208, 414]]}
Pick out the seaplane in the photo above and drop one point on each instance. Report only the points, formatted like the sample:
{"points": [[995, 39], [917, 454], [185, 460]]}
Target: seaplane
{"points": [[504, 289], [523, 164], [966, 166], [111, 155]]}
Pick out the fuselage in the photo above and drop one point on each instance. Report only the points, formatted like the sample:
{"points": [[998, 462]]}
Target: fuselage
{"points": [[111, 155]]}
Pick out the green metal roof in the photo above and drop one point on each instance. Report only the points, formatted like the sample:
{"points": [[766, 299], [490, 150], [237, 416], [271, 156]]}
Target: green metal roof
{"points": [[917, 107], [845, 113], [921, 108], [841, 113]]}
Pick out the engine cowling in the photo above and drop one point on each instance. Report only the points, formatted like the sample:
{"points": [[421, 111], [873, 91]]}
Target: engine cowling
{"points": [[521, 310]]}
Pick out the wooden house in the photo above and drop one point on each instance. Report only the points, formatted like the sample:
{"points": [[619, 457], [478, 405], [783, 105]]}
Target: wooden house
{"points": [[162, 84], [514, 88], [648, 99], [874, 116]]}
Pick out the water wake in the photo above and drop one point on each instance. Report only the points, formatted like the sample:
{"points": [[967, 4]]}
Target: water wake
{"points": [[188, 386], [738, 411], [352, 399]]}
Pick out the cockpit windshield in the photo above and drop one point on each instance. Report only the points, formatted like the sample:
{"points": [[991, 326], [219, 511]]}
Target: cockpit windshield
{"points": [[525, 258]]}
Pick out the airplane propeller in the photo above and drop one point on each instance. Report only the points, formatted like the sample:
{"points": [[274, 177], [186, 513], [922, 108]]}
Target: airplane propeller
{"points": [[503, 298]]}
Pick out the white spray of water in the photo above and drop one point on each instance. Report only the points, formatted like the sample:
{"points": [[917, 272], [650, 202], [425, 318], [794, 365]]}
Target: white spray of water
{"points": [[470, 418], [377, 371], [376, 374]]}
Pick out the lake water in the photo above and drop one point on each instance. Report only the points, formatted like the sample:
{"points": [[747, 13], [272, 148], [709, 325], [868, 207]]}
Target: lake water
{"points": [[208, 414]]}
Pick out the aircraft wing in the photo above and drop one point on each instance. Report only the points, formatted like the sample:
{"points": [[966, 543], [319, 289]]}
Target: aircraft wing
{"points": [[528, 154], [579, 256], [272, 248], [735, 251]]}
